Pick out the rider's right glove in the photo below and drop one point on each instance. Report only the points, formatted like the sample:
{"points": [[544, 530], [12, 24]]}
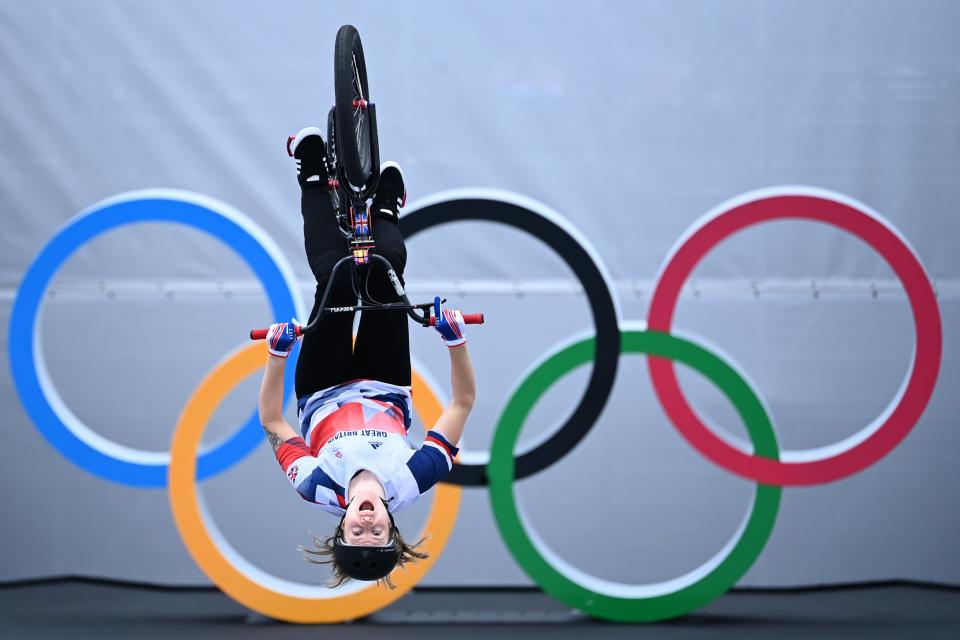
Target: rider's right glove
{"points": [[449, 324], [281, 336]]}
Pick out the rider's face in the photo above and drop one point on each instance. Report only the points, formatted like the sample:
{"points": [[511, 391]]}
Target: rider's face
{"points": [[367, 522]]}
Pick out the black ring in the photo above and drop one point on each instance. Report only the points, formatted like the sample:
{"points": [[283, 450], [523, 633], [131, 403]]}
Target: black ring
{"points": [[602, 307]]}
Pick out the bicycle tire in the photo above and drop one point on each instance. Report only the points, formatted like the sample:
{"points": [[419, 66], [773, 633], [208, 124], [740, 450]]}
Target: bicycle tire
{"points": [[353, 125]]}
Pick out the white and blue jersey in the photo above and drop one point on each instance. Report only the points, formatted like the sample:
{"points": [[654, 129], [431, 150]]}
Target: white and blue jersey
{"points": [[360, 425]]}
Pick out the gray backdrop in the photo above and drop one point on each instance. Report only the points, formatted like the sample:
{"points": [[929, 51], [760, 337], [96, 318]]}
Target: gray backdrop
{"points": [[630, 119]]}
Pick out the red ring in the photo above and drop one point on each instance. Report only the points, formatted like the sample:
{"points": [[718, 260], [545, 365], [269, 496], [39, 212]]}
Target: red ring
{"points": [[873, 230]]}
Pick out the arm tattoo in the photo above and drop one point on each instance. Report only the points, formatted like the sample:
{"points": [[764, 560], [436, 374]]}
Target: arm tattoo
{"points": [[275, 440]]}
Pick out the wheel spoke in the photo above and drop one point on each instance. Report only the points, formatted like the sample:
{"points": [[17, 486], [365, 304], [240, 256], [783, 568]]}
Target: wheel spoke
{"points": [[356, 78]]}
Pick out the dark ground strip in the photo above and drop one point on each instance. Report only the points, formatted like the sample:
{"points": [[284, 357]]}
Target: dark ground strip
{"points": [[85, 609]]}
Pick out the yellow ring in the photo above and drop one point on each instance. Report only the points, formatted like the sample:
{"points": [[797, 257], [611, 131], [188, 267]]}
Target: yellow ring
{"points": [[259, 596]]}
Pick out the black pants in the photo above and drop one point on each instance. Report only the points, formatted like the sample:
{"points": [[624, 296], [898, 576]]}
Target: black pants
{"points": [[382, 351]]}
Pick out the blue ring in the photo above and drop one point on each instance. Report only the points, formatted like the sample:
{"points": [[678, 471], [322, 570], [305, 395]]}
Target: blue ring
{"points": [[180, 208]]}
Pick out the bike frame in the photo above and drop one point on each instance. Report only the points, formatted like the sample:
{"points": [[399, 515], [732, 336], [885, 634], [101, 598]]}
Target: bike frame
{"points": [[350, 203], [354, 197], [344, 194]]}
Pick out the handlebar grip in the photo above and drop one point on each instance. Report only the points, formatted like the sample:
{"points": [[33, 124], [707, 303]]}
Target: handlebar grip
{"points": [[261, 334], [469, 318]]}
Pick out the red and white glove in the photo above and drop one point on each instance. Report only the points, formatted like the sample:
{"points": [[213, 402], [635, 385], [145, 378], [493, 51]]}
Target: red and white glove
{"points": [[281, 336], [449, 324]]}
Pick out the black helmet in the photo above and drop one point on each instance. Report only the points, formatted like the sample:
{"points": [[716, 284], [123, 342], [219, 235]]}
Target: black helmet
{"points": [[364, 563]]}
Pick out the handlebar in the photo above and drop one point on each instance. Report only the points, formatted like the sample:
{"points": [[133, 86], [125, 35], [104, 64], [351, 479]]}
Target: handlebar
{"points": [[261, 334], [469, 318]]}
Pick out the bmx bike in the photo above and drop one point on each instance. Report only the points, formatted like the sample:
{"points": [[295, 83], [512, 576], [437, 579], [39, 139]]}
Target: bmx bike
{"points": [[353, 156]]}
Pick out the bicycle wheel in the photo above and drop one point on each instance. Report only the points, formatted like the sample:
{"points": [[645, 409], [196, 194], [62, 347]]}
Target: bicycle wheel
{"points": [[353, 122]]}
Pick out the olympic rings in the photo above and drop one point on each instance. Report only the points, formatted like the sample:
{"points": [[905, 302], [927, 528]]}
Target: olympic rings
{"points": [[872, 442], [602, 598], [296, 602], [238, 578], [65, 431], [570, 245]]}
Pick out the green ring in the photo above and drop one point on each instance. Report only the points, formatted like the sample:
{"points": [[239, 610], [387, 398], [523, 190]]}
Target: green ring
{"points": [[644, 603]]}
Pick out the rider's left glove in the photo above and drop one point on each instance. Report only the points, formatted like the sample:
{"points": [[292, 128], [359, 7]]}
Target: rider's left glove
{"points": [[281, 336]]}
